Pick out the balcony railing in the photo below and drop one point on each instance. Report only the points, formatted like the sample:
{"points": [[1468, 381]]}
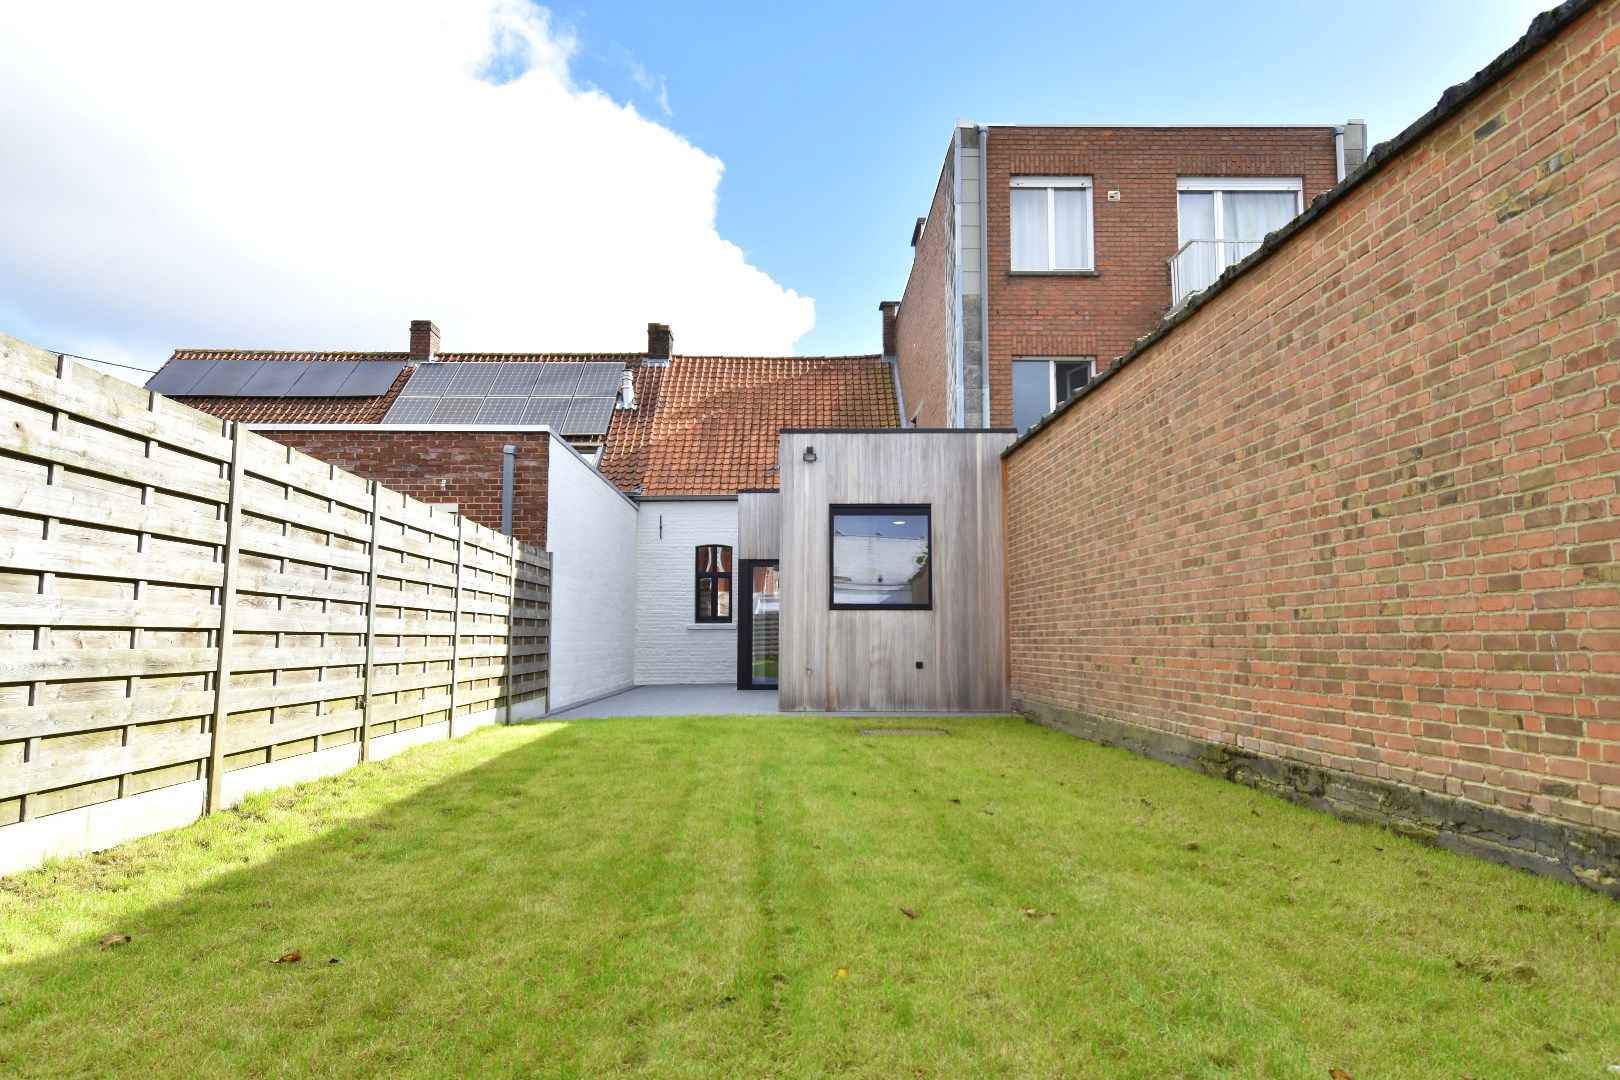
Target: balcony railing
{"points": [[1199, 262]]}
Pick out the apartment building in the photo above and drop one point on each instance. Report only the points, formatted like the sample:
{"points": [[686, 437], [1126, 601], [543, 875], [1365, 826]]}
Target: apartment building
{"points": [[1047, 250]]}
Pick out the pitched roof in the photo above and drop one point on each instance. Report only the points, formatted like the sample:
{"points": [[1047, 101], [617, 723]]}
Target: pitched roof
{"points": [[708, 425], [703, 425], [350, 410]]}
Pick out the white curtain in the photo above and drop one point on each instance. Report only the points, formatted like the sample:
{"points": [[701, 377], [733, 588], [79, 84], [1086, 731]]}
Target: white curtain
{"points": [[1071, 240], [1250, 215], [1196, 212], [1029, 229]]}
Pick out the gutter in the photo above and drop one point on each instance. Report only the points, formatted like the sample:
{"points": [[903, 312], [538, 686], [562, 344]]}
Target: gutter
{"points": [[1338, 152], [1543, 29]]}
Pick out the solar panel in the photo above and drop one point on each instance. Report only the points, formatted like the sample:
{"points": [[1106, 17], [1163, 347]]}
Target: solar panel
{"points": [[588, 416], [411, 411], [455, 410], [514, 380], [371, 378], [557, 380], [502, 410], [324, 379], [600, 380], [179, 376], [567, 395], [226, 378], [472, 379], [274, 378], [430, 379], [548, 411]]}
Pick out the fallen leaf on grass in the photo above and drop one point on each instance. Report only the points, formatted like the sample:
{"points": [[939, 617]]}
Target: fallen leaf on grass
{"points": [[957, 802], [1035, 913], [1339, 1074], [289, 958], [908, 913], [1191, 845], [334, 960], [843, 973], [109, 941]]}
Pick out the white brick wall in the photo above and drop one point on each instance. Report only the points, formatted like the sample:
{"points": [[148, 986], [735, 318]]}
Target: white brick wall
{"points": [[669, 646], [591, 531]]}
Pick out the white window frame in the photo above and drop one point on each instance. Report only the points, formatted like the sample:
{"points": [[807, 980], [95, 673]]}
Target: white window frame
{"points": [[1052, 184], [1218, 184]]}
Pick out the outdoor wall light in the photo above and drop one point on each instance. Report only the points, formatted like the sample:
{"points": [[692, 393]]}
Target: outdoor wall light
{"points": [[809, 455]]}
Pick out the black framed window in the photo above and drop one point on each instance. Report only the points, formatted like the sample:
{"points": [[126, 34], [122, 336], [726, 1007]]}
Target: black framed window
{"points": [[880, 557], [713, 588]]}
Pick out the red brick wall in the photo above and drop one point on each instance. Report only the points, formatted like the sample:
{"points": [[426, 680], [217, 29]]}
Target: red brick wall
{"points": [[1361, 510], [924, 322], [1102, 316], [461, 467]]}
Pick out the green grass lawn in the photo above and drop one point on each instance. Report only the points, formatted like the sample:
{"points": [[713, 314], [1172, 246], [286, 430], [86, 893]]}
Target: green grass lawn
{"points": [[730, 896]]}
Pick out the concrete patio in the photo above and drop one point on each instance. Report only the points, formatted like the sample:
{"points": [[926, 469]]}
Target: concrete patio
{"points": [[709, 699]]}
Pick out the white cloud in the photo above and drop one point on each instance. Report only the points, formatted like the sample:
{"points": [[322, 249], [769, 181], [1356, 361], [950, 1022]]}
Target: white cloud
{"points": [[316, 174]]}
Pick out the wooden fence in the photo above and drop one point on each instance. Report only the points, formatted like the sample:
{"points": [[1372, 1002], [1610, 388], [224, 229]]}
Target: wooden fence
{"points": [[190, 612]]}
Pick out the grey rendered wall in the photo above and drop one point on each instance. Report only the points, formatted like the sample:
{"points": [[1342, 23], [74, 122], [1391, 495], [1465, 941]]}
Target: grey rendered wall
{"points": [[670, 646], [592, 536]]}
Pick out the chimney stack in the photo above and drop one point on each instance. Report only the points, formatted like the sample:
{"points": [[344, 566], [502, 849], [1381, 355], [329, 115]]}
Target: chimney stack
{"points": [[424, 341], [660, 342], [891, 324], [1355, 145]]}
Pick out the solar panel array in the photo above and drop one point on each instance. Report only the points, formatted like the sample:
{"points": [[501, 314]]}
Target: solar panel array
{"points": [[276, 378], [572, 397]]}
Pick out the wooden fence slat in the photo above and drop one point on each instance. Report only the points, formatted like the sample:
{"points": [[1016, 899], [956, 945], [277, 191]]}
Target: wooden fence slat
{"points": [[227, 618], [129, 515]]}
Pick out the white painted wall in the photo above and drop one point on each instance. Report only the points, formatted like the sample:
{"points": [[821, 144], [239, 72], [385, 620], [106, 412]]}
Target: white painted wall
{"points": [[591, 532], [670, 646]]}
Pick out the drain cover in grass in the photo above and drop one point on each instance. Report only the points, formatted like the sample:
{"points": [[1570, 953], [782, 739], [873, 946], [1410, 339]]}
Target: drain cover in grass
{"points": [[901, 731]]}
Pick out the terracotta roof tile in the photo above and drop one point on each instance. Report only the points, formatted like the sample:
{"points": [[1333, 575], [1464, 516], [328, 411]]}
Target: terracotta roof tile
{"points": [[708, 425]]}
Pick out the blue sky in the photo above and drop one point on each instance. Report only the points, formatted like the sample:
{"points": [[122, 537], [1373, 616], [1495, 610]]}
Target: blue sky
{"points": [[747, 173], [832, 118]]}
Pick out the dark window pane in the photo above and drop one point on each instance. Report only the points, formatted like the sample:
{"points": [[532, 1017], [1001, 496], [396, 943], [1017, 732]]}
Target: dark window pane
{"points": [[724, 597], [880, 557], [705, 598], [725, 558], [1032, 392], [1071, 377]]}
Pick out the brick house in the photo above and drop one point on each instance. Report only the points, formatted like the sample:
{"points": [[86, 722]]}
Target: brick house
{"points": [[626, 466], [1045, 249]]}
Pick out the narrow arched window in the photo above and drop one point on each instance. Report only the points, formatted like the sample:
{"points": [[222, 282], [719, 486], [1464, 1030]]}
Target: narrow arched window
{"points": [[713, 583]]}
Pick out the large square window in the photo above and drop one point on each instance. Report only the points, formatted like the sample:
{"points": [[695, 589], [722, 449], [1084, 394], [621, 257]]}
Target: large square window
{"points": [[880, 557], [1051, 223]]}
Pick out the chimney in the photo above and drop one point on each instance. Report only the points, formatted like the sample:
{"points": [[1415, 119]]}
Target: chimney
{"points": [[1355, 145], [424, 340], [659, 343], [891, 325]]}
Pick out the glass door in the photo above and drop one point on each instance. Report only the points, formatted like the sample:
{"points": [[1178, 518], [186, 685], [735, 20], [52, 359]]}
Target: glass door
{"points": [[759, 625]]}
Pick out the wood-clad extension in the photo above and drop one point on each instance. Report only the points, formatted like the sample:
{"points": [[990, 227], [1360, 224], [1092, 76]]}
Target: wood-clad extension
{"points": [[867, 660]]}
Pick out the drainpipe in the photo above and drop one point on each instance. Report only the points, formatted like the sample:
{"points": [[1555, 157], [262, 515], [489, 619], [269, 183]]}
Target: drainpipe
{"points": [[508, 466], [984, 270], [1338, 149]]}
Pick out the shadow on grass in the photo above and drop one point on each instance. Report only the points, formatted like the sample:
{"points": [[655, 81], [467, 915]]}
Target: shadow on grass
{"points": [[420, 924]]}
